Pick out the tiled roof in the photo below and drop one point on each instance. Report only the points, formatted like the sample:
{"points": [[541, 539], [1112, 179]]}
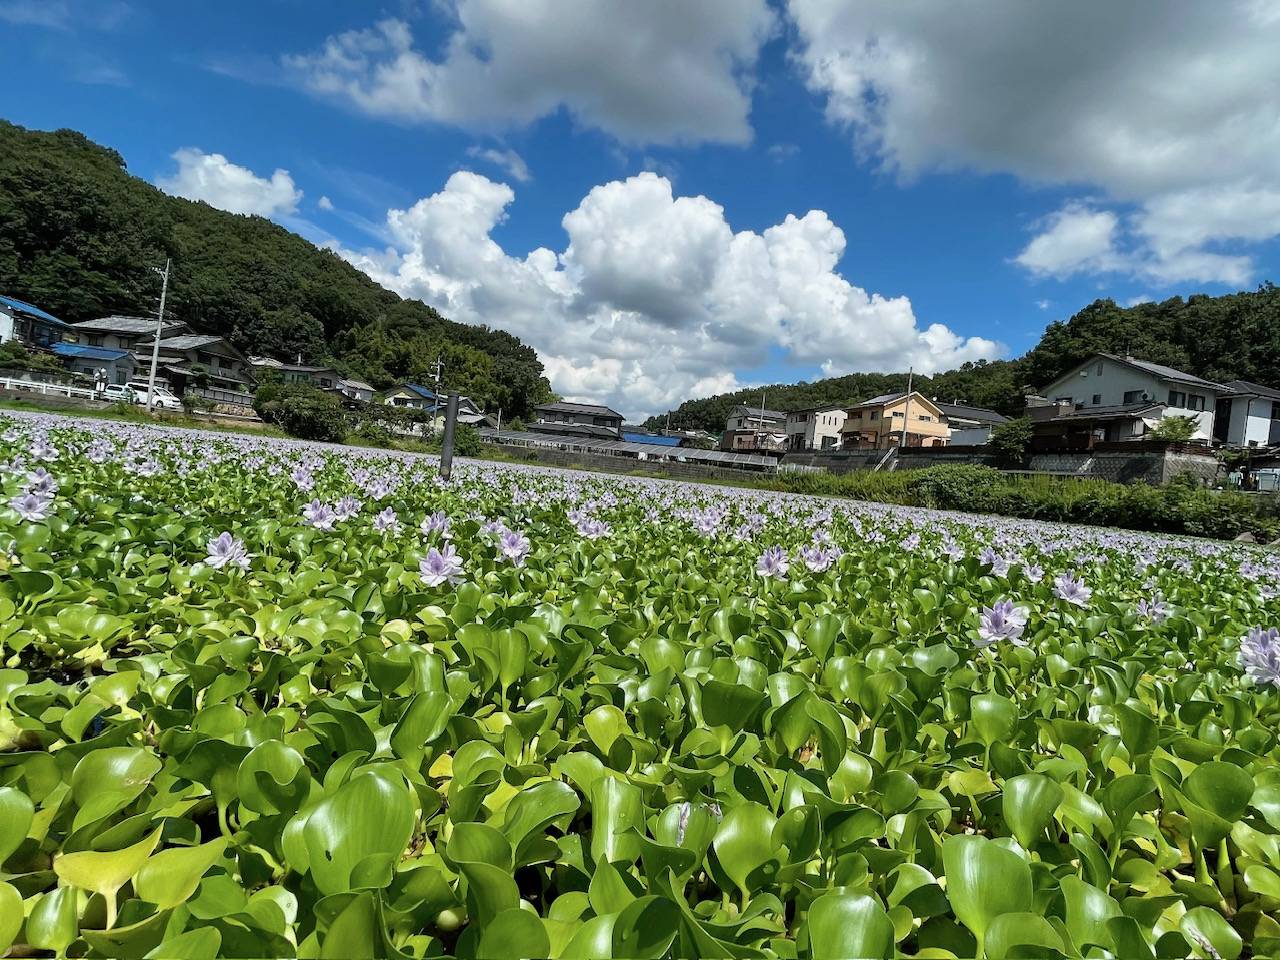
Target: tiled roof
{"points": [[742, 410], [24, 307], [1163, 372], [1120, 410], [1247, 388], [594, 409], [960, 411], [124, 325]]}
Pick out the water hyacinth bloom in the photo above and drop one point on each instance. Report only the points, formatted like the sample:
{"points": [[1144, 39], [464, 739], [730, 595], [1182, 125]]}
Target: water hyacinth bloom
{"points": [[32, 506], [592, 529], [347, 507], [1260, 656], [319, 515], [437, 523], [773, 563], [302, 478], [226, 550], [441, 566], [41, 481], [1002, 621], [387, 520], [42, 449], [514, 545], [1033, 572], [818, 559], [1067, 588], [1153, 609]]}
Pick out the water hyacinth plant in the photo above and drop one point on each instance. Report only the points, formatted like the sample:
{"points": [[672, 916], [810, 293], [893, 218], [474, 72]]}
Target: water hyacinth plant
{"points": [[253, 704]]}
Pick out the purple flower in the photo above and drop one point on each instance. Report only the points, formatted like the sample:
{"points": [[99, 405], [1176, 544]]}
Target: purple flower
{"points": [[1153, 609], [1002, 621], [773, 563], [1260, 656], [226, 550], [387, 520], [41, 481], [99, 451], [439, 566], [42, 449], [319, 515], [437, 523], [514, 545], [593, 529], [1033, 572], [302, 478], [1067, 588], [910, 543], [818, 558], [32, 506], [347, 507], [493, 528]]}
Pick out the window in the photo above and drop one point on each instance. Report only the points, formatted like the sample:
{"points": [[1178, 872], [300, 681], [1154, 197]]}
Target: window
{"points": [[1134, 396], [1275, 411], [1062, 400], [1195, 401], [1098, 370], [1177, 398], [857, 414], [95, 340], [1097, 399], [925, 417], [898, 413]]}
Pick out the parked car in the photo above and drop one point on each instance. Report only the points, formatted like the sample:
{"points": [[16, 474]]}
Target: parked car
{"points": [[119, 393], [163, 398]]}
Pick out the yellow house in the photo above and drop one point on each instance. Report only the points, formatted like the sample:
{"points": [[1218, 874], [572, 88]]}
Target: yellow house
{"points": [[879, 423]]}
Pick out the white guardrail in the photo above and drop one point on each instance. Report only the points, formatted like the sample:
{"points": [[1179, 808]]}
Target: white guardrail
{"points": [[49, 389]]}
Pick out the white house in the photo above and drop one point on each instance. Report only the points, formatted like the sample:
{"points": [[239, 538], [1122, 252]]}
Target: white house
{"points": [[970, 426], [1248, 415], [754, 428], [817, 428], [1120, 398]]}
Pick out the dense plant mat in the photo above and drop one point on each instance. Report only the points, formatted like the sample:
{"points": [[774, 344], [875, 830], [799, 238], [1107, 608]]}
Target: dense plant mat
{"points": [[266, 699]]}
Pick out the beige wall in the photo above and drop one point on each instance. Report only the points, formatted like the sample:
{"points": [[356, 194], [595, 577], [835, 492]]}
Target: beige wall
{"points": [[880, 428]]}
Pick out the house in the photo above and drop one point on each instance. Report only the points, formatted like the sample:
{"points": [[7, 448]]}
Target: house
{"points": [[750, 429], [123, 333], [354, 389], [970, 426], [413, 396], [206, 364], [640, 435], [99, 363], [324, 378], [30, 325], [1247, 415], [816, 428], [894, 419], [550, 416], [1109, 397]]}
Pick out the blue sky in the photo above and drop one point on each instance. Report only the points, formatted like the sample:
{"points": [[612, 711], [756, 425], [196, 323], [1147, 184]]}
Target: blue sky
{"points": [[667, 199]]}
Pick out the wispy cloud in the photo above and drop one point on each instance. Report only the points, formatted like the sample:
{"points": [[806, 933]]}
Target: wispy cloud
{"points": [[505, 159]]}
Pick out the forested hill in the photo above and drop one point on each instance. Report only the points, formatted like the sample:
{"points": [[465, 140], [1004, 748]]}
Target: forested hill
{"points": [[1236, 336], [79, 235]]}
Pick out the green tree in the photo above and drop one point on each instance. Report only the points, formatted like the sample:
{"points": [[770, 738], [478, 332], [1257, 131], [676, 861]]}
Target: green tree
{"points": [[1009, 440], [1175, 429]]}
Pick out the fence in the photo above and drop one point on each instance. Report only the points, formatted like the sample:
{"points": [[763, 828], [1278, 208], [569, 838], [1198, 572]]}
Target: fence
{"points": [[49, 389]]}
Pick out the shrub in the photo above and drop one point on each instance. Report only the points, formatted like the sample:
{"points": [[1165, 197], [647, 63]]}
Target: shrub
{"points": [[1175, 429], [302, 411], [957, 487], [373, 434], [1009, 440]]}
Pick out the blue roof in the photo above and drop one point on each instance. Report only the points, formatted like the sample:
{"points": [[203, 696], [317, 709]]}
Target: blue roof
{"points": [[651, 438], [34, 311], [423, 392], [87, 353]]}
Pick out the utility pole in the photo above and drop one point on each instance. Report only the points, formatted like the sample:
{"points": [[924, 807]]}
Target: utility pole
{"points": [[155, 347], [435, 394], [760, 431], [499, 421], [906, 411], [446, 446]]}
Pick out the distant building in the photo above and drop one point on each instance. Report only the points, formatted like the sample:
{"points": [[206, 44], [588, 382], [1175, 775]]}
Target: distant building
{"points": [[324, 378], [30, 325], [123, 333], [643, 436], [354, 389], [1113, 398], [551, 417], [750, 429], [894, 419], [970, 426], [1247, 415], [114, 366], [188, 360], [817, 428], [411, 395]]}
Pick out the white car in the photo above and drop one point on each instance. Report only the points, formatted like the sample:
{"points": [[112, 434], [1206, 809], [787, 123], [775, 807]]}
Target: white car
{"points": [[119, 393], [163, 398]]}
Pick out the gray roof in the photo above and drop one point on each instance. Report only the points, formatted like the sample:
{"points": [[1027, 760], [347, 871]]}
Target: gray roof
{"points": [[1163, 372], [1248, 388], [1113, 412], [742, 410], [355, 384], [883, 398], [593, 409], [187, 341], [124, 325], [960, 411], [586, 429], [632, 448]]}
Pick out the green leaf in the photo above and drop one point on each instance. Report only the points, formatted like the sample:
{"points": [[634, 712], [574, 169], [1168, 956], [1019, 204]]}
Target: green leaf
{"points": [[743, 844], [1210, 933], [16, 813], [1028, 933], [10, 915], [984, 880], [617, 811], [604, 725], [1029, 803], [513, 934], [171, 876], [54, 923], [994, 717], [369, 815], [354, 932], [105, 872], [645, 928], [842, 925], [202, 943], [1087, 911]]}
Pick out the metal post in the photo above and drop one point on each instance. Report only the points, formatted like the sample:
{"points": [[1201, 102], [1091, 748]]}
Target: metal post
{"points": [[446, 446], [155, 348]]}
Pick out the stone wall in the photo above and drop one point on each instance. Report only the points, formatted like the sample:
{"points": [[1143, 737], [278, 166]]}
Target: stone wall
{"points": [[51, 401], [598, 461]]}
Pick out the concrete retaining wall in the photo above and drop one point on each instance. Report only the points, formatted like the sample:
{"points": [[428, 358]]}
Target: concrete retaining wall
{"points": [[596, 461]]}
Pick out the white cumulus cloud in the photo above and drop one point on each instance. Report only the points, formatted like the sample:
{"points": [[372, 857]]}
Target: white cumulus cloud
{"points": [[1170, 113], [217, 181], [655, 297], [659, 71]]}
